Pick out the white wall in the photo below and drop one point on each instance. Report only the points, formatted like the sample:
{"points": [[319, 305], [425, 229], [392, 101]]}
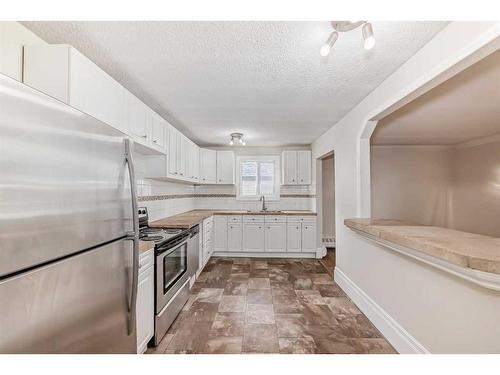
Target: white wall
{"points": [[456, 187], [438, 312], [328, 197], [411, 183], [476, 188]]}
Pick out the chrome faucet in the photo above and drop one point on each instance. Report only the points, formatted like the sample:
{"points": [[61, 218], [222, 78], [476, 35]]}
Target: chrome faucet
{"points": [[263, 200]]}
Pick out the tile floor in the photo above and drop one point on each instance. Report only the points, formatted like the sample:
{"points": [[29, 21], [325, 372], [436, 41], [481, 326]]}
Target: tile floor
{"points": [[250, 305]]}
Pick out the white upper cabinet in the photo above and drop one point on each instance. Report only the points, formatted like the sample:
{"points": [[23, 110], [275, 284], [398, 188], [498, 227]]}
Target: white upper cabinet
{"points": [[225, 167], [64, 73], [173, 134], [208, 166], [296, 167], [159, 128], [304, 167], [193, 161], [137, 119], [13, 36], [289, 168]]}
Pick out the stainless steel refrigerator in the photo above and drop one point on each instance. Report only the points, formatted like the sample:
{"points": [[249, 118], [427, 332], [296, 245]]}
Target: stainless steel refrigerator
{"points": [[68, 229]]}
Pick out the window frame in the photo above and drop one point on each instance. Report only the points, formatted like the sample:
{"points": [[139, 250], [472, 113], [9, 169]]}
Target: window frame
{"points": [[277, 181]]}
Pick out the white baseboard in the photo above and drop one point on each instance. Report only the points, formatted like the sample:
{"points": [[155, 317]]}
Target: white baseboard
{"points": [[263, 255], [399, 338]]}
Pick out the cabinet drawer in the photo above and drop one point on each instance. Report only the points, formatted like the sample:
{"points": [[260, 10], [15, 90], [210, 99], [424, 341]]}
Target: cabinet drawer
{"points": [[146, 260], [234, 219], [301, 219], [253, 219], [275, 219]]}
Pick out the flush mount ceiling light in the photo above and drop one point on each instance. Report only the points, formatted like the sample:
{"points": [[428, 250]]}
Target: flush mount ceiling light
{"points": [[344, 26], [237, 138]]}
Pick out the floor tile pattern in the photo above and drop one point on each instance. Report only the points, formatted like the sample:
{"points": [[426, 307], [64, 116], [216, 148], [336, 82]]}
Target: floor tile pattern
{"points": [[250, 305]]}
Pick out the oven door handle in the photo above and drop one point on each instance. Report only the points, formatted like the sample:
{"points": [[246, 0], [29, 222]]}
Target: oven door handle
{"points": [[133, 236]]}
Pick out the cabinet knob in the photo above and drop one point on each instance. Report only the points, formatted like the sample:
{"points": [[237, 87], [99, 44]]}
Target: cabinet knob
{"points": [[155, 141], [296, 227], [144, 136]]}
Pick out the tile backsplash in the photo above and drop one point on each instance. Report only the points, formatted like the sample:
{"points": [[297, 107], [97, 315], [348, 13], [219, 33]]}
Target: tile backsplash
{"points": [[164, 198]]}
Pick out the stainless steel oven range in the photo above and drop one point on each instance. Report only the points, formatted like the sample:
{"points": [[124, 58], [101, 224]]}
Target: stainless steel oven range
{"points": [[171, 271]]}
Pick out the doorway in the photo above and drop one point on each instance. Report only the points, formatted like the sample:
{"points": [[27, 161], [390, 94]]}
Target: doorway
{"points": [[328, 211]]}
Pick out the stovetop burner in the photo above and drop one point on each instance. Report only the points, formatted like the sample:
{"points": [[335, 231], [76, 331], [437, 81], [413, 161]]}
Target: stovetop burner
{"points": [[149, 230], [158, 235]]}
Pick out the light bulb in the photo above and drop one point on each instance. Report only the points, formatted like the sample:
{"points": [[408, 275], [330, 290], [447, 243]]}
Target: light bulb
{"points": [[231, 142], [325, 50], [244, 143], [241, 141], [369, 39]]}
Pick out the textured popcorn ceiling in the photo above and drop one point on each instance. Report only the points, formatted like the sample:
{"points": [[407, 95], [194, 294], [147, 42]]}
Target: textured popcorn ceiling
{"points": [[264, 79]]}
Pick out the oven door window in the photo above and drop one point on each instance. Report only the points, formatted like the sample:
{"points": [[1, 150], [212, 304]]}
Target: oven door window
{"points": [[174, 266]]}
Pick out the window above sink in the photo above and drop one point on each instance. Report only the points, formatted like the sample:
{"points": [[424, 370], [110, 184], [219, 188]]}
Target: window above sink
{"points": [[257, 176]]}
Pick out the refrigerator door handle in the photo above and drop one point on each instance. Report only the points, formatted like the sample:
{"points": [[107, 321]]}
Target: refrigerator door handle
{"points": [[134, 236]]}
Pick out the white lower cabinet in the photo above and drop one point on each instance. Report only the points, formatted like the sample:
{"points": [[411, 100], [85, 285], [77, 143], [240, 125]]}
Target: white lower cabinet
{"points": [[208, 240], [253, 237], [145, 312], [220, 224], [234, 236], [259, 233], [308, 237], [293, 237], [275, 237]]}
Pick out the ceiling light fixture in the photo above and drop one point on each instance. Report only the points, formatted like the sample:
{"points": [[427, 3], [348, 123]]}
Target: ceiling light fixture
{"points": [[325, 50], [238, 137], [369, 39], [344, 26]]}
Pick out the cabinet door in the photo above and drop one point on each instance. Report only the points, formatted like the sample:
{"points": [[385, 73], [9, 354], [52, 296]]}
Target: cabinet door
{"points": [[158, 128], [46, 68], [137, 119], [225, 167], [208, 166], [195, 157], [275, 237], [181, 155], [220, 223], [253, 237], [308, 237], [289, 167], [234, 237], [145, 308], [293, 237], [13, 36], [304, 167], [172, 151]]}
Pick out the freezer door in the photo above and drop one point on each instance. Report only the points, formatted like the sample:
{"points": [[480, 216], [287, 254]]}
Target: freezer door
{"points": [[77, 305], [64, 185]]}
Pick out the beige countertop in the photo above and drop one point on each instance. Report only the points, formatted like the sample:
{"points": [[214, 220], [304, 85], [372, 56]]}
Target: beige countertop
{"points": [[191, 218], [464, 249], [145, 246]]}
